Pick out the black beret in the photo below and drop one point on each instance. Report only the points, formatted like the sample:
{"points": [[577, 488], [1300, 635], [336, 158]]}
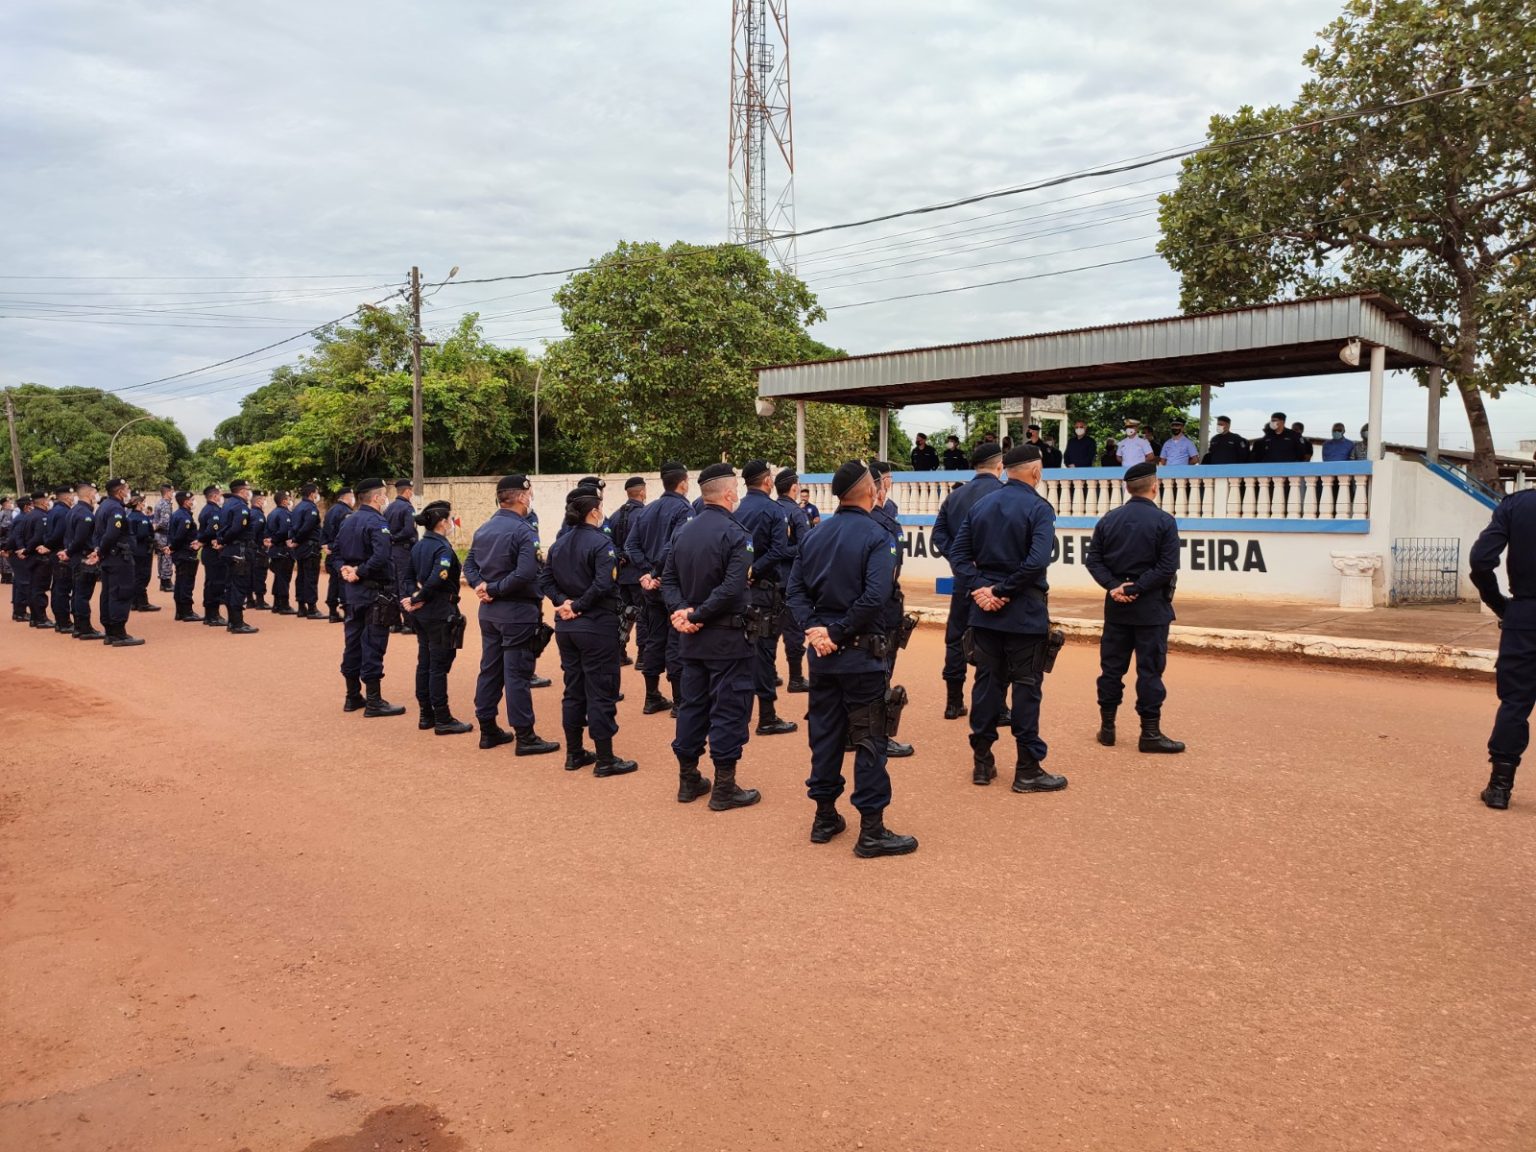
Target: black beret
{"points": [[115, 483], [1137, 471], [85, 484], [372, 484], [786, 480], [258, 492], [716, 472], [400, 485], [879, 468], [1033, 428], [236, 485], [1021, 454], [24, 501], [986, 450], [673, 471], [1277, 415], [754, 470], [63, 489], [515, 482], [39, 496], [211, 490], [634, 482], [592, 482], [441, 505], [343, 492], [848, 475]]}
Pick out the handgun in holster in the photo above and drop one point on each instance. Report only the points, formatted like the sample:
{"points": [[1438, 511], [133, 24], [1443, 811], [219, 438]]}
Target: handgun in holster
{"points": [[542, 635], [895, 703], [1054, 642], [456, 628], [627, 617], [905, 629]]}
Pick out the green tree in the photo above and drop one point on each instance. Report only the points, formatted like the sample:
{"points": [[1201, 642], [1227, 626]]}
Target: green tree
{"points": [[898, 443], [1433, 203], [660, 354], [976, 418], [1105, 413], [64, 434], [143, 461]]}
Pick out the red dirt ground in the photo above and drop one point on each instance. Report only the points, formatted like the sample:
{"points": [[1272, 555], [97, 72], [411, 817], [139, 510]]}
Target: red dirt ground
{"points": [[235, 918]]}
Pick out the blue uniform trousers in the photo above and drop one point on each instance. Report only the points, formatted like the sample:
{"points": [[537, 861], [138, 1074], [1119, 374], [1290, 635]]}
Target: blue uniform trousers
{"points": [[63, 591], [794, 636], [334, 584], [306, 582], [954, 629], [1515, 680], [714, 703], [506, 666], [282, 575], [143, 571], [365, 638], [186, 581], [117, 580], [590, 663], [21, 593], [1150, 644], [84, 579], [39, 576], [237, 586], [434, 660], [834, 698], [998, 654], [215, 576], [660, 654]]}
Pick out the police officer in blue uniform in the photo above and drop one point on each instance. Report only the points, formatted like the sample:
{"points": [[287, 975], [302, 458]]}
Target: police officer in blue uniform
{"points": [[434, 612], [279, 532], [1513, 529], [215, 569], [620, 524], [887, 515], [236, 543], [400, 517], [649, 538], [1134, 556], [81, 531], [141, 530], [705, 589], [767, 525], [339, 510], [363, 560], [1001, 554], [787, 487], [987, 459], [56, 536], [181, 538], [112, 554], [10, 523], [581, 581], [838, 589], [256, 598], [33, 563], [304, 550], [503, 568]]}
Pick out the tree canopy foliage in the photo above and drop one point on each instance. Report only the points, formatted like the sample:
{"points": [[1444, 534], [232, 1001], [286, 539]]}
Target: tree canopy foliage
{"points": [[1432, 203], [64, 434], [659, 358]]}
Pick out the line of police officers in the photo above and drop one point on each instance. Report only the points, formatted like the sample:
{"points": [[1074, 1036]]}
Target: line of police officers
{"points": [[713, 587]]}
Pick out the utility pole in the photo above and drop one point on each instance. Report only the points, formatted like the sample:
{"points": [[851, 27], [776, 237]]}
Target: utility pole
{"points": [[10, 419], [417, 466]]}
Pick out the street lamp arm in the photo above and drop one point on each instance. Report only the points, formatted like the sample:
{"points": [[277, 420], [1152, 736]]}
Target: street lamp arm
{"points": [[118, 433]]}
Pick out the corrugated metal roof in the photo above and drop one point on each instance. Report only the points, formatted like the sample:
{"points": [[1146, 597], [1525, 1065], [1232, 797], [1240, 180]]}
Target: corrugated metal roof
{"points": [[1295, 338]]}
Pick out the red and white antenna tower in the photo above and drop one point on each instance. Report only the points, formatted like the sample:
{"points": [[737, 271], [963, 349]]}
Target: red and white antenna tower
{"points": [[762, 153]]}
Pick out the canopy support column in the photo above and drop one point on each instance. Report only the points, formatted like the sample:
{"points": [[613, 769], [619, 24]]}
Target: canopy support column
{"points": [[1432, 429], [799, 435], [885, 432], [1205, 418], [1378, 389]]}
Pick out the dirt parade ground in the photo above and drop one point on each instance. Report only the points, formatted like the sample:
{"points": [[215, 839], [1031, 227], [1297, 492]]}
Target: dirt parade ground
{"points": [[236, 918]]}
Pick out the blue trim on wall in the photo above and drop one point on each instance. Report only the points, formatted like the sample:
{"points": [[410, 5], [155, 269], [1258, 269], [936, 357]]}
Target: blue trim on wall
{"points": [[944, 585], [1456, 479], [1210, 471]]}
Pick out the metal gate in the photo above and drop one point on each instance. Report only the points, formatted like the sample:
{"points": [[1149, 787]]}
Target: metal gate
{"points": [[1425, 570]]}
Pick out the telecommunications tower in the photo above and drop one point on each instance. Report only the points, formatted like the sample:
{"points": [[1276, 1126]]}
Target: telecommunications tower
{"points": [[762, 152]]}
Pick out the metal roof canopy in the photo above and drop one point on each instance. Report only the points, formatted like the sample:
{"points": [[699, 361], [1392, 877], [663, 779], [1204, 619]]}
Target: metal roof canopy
{"points": [[1267, 341]]}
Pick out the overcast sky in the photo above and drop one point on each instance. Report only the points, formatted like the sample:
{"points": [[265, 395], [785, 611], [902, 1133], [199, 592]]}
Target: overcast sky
{"points": [[325, 148]]}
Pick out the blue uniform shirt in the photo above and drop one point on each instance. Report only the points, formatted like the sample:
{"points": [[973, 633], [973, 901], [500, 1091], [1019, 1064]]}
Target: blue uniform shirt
{"points": [[799, 525], [27, 532], [1512, 527], [504, 555], [1180, 450], [435, 568], [583, 571], [235, 522], [55, 526], [619, 526], [400, 519], [1005, 544], [363, 543], [842, 582], [181, 533], [956, 507], [82, 526], [141, 531], [304, 528], [111, 529], [707, 573], [768, 526], [207, 529], [335, 515], [651, 532], [1138, 542]]}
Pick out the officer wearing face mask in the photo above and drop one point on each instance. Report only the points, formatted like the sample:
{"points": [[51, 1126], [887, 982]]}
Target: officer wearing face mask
{"points": [[1338, 446], [1081, 451]]}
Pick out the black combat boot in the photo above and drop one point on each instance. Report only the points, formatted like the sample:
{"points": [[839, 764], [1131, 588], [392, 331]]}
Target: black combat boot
{"points": [[446, 725], [539, 681], [896, 750], [90, 634], [768, 722], [493, 735], [608, 764], [1030, 777], [677, 694], [954, 702], [530, 743], [691, 783], [983, 763], [165, 586], [797, 680], [284, 610], [875, 839], [335, 616], [123, 640], [1005, 717], [377, 705], [1500, 784], [243, 629], [214, 619], [654, 701], [726, 795], [354, 701], [1106, 734], [428, 718], [577, 756], [1153, 740], [828, 823]]}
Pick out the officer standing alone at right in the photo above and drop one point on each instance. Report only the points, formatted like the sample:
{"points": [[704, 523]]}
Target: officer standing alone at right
{"points": [[1134, 556], [1001, 555], [837, 590], [987, 459], [1513, 529]]}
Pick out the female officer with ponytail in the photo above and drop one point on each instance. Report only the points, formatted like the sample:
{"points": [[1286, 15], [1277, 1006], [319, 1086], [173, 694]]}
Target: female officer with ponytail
{"points": [[581, 580], [434, 607]]}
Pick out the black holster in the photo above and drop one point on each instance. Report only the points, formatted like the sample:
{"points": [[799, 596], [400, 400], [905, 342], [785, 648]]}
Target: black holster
{"points": [[456, 628], [905, 629], [895, 704], [1054, 642], [542, 635], [867, 725]]}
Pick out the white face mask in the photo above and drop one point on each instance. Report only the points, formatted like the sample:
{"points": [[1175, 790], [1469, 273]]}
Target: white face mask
{"points": [[1080, 431]]}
